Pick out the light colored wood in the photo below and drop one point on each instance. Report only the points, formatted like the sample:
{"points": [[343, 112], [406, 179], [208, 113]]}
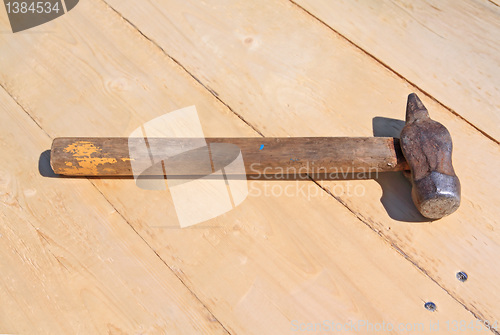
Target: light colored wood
{"points": [[450, 49], [257, 268], [69, 262], [288, 74]]}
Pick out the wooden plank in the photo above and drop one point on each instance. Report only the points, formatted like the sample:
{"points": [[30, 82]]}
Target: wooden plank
{"points": [[69, 262], [271, 264], [285, 73], [450, 49]]}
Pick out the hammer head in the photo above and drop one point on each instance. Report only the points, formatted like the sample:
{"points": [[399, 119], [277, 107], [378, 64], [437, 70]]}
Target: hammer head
{"points": [[427, 147]]}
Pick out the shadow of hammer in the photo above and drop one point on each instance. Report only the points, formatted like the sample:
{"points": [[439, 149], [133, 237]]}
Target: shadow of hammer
{"points": [[423, 152]]}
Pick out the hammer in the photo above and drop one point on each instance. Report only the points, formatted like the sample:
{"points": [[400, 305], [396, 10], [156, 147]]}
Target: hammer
{"points": [[423, 153]]}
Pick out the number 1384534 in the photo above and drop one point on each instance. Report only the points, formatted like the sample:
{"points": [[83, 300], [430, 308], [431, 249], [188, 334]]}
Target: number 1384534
{"points": [[38, 7]]}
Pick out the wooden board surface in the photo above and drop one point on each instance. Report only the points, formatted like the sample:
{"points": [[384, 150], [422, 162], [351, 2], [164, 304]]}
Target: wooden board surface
{"points": [[274, 262], [449, 49], [348, 94], [69, 261]]}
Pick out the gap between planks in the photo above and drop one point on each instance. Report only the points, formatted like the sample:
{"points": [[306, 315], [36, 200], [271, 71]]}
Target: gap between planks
{"points": [[493, 2], [121, 215], [386, 66], [24, 109], [157, 45], [359, 216], [163, 261]]}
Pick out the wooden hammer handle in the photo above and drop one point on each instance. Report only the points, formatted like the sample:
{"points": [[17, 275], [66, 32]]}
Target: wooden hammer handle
{"points": [[188, 156]]}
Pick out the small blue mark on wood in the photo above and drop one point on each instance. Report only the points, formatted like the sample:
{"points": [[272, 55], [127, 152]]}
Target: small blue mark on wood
{"points": [[261, 147]]}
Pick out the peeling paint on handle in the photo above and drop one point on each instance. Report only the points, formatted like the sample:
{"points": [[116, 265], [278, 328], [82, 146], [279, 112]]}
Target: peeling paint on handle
{"points": [[84, 153]]}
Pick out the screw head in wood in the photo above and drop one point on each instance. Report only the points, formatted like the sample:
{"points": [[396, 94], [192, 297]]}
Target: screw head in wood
{"points": [[430, 306], [462, 276]]}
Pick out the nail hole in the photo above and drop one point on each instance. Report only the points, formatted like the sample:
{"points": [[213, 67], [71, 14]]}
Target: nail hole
{"points": [[462, 276], [430, 306]]}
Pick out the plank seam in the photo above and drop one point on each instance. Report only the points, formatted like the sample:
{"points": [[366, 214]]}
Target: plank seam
{"points": [[387, 67], [494, 3], [161, 259], [24, 109], [215, 94], [361, 218], [357, 215], [354, 213], [121, 215]]}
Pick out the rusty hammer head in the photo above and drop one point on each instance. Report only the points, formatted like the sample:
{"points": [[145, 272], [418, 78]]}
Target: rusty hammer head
{"points": [[427, 146]]}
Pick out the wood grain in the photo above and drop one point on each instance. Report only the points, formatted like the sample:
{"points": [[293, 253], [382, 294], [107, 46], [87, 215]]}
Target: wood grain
{"points": [[69, 262], [449, 49], [301, 79], [258, 268]]}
